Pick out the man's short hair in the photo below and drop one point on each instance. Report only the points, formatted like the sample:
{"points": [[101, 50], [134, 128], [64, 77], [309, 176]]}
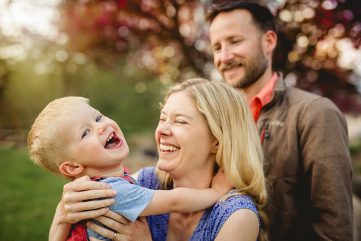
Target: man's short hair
{"points": [[261, 15]]}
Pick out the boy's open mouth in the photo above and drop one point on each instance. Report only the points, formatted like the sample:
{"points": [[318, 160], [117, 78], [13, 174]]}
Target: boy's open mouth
{"points": [[112, 141]]}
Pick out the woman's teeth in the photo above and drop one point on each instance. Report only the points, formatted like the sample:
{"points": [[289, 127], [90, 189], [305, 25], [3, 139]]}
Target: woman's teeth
{"points": [[168, 148]]}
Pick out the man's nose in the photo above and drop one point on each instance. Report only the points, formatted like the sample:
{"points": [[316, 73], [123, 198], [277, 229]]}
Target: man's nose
{"points": [[225, 55]]}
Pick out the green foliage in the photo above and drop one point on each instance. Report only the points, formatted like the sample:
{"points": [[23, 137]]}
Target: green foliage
{"points": [[131, 98], [355, 147], [28, 197], [355, 150], [27, 93]]}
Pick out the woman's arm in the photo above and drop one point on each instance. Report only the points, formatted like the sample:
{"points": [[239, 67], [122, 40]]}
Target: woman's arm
{"points": [[242, 225], [74, 205], [126, 230], [59, 230]]}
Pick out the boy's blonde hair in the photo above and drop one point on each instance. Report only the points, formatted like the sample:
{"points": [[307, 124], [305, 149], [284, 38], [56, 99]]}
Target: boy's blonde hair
{"points": [[230, 121], [45, 147]]}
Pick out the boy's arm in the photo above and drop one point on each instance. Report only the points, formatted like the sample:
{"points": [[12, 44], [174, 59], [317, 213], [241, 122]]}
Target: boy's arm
{"points": [[185, 200]]}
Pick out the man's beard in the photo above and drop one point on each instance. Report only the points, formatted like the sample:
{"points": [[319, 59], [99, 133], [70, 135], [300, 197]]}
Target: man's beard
{"points": [[254, 69]]}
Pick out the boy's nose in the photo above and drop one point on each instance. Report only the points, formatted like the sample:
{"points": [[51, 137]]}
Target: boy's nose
{"points": [[101, 129]]}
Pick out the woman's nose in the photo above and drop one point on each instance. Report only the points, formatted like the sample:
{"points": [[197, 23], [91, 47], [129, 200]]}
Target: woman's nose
{"points": [[164, 129]]}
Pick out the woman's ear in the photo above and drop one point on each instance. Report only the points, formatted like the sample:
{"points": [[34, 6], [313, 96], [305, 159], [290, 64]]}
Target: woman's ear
{"points": [[71, 169], [215, 146]]}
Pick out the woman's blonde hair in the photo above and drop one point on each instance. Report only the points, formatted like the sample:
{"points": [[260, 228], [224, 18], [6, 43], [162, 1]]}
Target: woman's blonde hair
{"points": [[230, 121], [44, 145]]}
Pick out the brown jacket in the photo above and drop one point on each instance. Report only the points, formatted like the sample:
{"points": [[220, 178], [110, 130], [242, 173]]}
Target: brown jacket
{"points": [[307, 167]]}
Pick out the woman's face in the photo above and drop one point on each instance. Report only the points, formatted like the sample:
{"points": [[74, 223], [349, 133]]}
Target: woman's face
{"points": [[184, 141]]}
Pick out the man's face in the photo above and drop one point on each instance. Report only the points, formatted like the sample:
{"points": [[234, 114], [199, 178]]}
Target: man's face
{"points": [[237, 48]]}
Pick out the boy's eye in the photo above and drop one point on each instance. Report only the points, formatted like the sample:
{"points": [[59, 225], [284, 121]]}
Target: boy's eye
{"points": [[98, 118], [85, 133]]}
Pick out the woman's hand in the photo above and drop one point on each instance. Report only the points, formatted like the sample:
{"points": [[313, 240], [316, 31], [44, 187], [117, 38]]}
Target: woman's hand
{"points": [[79, 200], [74, 205], [124, 229]]}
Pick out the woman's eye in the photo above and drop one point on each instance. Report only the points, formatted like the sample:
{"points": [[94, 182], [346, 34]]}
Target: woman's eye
{"points": [[98, 118], [85, 133], [180, 121]]}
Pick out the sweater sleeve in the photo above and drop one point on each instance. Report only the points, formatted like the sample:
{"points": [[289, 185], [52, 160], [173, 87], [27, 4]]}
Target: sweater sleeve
{"points": [[148, 178], [327, 164]]}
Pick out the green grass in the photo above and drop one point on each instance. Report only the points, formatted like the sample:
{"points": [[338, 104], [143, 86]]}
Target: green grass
{"points": [[28, 197]]}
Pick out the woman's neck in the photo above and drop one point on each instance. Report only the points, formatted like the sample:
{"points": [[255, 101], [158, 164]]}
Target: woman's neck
{"points": [[182, 225], [195, 180]]}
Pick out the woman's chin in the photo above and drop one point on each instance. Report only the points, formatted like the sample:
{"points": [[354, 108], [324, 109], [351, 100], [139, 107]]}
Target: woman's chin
{"points": [[164, 166]]}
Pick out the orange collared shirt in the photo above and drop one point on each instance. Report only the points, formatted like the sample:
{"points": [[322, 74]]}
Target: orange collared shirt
{"points": [[263, 97]]}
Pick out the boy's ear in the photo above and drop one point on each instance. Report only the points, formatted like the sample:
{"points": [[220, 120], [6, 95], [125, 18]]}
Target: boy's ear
{"points": [[71, 169]]}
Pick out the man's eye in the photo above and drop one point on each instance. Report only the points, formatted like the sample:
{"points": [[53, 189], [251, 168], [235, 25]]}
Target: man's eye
{"points": [[216, 48], [98, 118], [85, 133], [236, 41]]}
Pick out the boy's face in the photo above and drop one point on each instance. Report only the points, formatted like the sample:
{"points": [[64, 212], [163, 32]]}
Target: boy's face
{"points": [[94, 140]]}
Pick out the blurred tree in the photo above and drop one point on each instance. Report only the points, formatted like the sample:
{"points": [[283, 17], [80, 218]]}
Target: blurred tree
{"points": [[161, 36], [319, 40], [39, 64]]}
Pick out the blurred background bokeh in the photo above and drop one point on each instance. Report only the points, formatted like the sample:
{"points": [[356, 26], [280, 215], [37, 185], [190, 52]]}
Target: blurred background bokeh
{"points": [[122, 55]]}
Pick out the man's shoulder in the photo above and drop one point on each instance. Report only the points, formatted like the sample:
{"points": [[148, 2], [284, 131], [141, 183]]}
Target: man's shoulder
{"points": [[296, 94], [305, 99]]}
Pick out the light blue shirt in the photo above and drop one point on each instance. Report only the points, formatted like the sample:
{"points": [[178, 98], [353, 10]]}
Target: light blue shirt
{"points": [[130, 200]]}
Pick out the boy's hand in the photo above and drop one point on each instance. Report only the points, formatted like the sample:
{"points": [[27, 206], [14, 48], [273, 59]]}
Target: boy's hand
{"points": [[221, 183]]}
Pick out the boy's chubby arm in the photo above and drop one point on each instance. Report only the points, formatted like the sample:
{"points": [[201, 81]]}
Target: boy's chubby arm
{"points": [[185, 200]]}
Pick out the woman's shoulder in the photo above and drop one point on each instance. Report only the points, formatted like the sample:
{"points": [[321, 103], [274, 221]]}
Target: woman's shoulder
{"points": [[215, 217], [231, 203], [148, 178], [237, 200]]}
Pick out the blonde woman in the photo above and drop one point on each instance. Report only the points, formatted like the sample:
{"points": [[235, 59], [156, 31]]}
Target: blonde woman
{"points": [[203, 126]]}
